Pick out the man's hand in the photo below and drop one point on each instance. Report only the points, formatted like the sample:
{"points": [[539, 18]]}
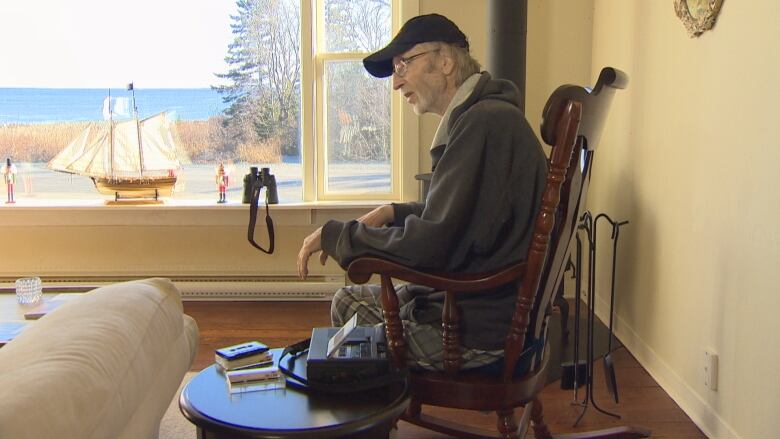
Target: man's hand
{"points": [[311, 245], [378, 217]]}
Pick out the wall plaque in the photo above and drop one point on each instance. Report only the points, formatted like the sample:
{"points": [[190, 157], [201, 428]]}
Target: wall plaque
{"points": [[697, 15]]}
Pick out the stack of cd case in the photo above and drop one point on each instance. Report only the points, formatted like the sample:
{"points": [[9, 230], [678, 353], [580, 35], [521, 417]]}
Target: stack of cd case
{"points": [[254, 379], [249, 367]]}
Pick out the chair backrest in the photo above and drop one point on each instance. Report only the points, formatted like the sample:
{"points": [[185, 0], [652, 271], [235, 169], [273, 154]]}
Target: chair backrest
{"points": [[595, 108], [554, 231]]}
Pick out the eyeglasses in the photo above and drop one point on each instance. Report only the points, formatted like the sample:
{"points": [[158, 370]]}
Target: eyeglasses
{"points": [[400, 67]]}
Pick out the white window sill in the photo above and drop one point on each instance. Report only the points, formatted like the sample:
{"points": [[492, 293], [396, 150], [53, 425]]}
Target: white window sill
{"points": [[175, 213]]}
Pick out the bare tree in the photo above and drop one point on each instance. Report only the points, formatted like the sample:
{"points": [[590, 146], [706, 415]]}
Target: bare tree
{"points": [[265, 86], [361, 103], [264, 59]]}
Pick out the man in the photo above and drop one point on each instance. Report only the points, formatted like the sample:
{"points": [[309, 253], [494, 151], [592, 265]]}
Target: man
{"points": [[488, 175]]}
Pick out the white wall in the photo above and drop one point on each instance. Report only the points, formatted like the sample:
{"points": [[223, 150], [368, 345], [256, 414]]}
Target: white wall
{"points": [[147, 241], [689, 157]]}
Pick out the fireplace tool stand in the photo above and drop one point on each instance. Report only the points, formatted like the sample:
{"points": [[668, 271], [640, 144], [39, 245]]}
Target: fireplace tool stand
{"points": [[589, 226]]}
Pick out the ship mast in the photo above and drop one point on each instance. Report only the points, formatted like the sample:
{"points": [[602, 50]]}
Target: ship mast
{"points": [[111, 134], [138, 130]]}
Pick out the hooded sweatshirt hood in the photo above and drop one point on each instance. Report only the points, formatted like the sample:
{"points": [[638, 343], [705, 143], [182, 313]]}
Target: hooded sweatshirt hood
{"points": [[476, 87]]}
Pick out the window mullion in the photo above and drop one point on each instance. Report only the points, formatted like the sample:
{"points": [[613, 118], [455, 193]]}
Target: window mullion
{"points": [[321, 150], [308, 103]]}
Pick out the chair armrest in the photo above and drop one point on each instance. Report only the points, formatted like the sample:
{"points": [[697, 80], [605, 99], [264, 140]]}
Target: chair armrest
{"points": [[361, 270]]}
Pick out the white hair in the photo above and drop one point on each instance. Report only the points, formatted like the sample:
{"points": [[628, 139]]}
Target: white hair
{"points": [[465, 64]]}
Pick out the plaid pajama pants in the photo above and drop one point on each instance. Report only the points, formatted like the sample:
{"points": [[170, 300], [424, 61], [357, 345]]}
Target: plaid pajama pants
{"points": [[423, 341]]}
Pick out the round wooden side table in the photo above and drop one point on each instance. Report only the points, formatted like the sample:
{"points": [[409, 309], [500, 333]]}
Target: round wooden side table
{"points": [[288, 413]]}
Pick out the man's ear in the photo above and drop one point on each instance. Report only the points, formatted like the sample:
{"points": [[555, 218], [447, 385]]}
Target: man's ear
{"points": [[447, 64]]}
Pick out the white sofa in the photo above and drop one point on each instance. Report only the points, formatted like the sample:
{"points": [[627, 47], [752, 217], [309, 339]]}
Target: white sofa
{"points": [[104, 365]]}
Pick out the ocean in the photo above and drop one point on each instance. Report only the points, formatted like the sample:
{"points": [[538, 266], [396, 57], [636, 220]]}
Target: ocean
{"points": [[46, 105]]}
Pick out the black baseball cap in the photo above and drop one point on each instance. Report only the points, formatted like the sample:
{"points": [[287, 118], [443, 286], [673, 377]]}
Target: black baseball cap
{"points": [[420, 29]]}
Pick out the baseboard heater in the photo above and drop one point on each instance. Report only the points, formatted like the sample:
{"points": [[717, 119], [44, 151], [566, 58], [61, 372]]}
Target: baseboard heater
{"points": [[270, 288]]}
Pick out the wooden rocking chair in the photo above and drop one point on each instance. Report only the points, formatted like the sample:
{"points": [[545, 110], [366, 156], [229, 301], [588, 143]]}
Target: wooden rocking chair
{"points": [[572, 122]]}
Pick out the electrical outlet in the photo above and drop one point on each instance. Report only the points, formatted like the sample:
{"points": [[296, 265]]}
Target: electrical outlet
{"points": [[711, 370]]}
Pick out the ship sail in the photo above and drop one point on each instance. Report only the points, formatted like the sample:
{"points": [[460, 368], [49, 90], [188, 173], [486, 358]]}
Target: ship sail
{"points": [[117, 154], [75, 149]]}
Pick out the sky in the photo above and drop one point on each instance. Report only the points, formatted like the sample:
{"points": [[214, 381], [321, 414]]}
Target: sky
{"points": [[109, 43]]}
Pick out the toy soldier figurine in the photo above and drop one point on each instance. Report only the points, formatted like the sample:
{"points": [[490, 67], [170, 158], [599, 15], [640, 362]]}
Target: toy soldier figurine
{"points": [[222, 183], [9, 175]]}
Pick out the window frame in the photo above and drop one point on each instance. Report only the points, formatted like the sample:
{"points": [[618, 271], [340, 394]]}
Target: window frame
{"points": [[405, 136], [404, 124]]}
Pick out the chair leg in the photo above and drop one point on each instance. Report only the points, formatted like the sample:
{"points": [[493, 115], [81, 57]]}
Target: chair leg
{"points": [[537, 421], [507, 424]]}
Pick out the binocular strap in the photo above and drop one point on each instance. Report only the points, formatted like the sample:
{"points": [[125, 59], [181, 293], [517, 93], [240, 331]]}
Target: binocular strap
{"points": [[253, 219]]}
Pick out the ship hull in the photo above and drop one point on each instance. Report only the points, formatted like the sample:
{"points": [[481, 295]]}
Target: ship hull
{"points": [[136, 187]]}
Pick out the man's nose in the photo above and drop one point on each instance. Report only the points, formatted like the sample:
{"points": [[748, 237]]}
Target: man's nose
{"points": [[397, 82]]}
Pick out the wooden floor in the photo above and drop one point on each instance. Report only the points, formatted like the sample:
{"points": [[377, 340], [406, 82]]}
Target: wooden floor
{"points": [[642, 401]]}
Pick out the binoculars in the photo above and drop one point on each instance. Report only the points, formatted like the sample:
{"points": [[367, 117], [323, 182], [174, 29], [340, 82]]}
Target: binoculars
{"points": [[258, 179]]}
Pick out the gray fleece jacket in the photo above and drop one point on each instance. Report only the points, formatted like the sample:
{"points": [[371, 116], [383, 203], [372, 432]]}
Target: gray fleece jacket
{"points": [[488, 177]]}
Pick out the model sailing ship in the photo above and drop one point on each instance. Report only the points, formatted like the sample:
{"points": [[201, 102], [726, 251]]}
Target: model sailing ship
{"points": [[128, 159]]}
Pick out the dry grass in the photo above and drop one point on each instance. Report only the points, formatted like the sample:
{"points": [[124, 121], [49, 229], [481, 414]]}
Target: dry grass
{"points": [[202, 141], [37, 142], [260, 152], [193, 136]]}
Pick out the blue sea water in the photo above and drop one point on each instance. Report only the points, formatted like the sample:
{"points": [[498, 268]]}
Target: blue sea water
{"points": [[44, 105]]}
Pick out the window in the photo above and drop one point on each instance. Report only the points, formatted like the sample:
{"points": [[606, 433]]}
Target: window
{"points": [[267, 83], [354, 144]]}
